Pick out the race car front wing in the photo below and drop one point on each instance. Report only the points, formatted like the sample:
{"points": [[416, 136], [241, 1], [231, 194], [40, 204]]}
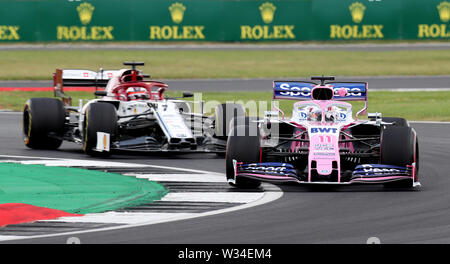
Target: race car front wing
{"points": [[278, 172]]}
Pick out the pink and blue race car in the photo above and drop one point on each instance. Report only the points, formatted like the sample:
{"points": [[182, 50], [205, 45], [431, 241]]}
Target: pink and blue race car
{"points": [[323, 142]]}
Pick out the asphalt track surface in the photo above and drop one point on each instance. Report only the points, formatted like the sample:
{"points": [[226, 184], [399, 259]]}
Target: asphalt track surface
{"points": [[404, 83], [348, 214]]}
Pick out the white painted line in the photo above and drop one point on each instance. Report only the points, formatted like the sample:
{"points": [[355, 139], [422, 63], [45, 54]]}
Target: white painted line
{"points": [[218, 197], [3, 238], [101, 163], [180, 177], [10, 113], [430, 122], [267, 198], [131, 220], [122, 218], [73, 163]]}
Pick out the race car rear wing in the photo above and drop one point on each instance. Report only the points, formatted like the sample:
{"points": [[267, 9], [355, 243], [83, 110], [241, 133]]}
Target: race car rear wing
{"points": [[301, 91], [83, 78]]}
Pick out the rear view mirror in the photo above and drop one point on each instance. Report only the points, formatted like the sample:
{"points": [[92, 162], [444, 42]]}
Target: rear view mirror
{"points": [[100, 93], [187, 94]]}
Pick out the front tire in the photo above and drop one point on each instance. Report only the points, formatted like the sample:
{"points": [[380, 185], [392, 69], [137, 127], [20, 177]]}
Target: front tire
{"points": [[399, 147], [242, 147], [224, 113], [100, 117], [43, 123]]}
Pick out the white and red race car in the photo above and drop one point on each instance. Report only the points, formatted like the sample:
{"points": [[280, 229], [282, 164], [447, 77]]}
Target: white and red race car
{"points": [[130, 114], [323, 143]]}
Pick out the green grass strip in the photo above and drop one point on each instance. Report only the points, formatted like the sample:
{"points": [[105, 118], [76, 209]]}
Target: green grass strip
{"points": [[170, 64], [74, 190], [422, 105]]}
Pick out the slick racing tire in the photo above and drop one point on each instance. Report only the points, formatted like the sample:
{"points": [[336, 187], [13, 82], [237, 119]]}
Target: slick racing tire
{"points": [[183, 107], [399, 147], [250, 121], [398, 121], [43, 123], [100, 117], [242, 148], [224, 113], [243, 121]]}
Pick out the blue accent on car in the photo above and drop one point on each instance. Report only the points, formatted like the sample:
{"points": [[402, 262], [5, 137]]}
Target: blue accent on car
{"points": [[302, 90], [293, 90], [355, 91], [269, 168], [380, 169]]}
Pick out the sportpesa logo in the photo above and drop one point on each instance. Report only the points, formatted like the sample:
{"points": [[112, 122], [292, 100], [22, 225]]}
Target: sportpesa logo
{"points": [[259, 167], [380, 169], [296, 91]]}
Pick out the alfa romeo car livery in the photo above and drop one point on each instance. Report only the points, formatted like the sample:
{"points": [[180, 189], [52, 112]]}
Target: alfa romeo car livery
{"points": [[130, 114], [323, 143]]}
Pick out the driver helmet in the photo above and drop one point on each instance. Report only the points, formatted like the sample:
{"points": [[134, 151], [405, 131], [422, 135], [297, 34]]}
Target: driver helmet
{"points": [[314, 114], [330, 114], [137, 93]]}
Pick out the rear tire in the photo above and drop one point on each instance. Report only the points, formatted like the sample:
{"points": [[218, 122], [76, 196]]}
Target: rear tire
{"points": [[398, 121], [250, 121], [43, 123], [399, 147], [100, 117], [242, 147], [224, 113], [183, 107]]}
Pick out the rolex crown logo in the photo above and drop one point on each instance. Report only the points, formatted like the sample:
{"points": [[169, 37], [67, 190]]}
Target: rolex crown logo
{"points": [[357, 11], [444, 11], [267, 12], [177, 12], [85, 11]]}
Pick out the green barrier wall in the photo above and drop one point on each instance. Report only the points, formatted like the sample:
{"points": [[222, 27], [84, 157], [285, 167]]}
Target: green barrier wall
{"points": [[222, 20]]}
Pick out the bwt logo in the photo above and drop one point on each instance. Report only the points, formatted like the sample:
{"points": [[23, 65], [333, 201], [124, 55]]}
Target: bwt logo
{"points": [[324, 130]]}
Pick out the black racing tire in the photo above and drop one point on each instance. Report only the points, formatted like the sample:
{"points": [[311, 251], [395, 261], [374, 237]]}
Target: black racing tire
{"points": [[100, 117], [398, 121], [242, 148], [223, 114], [399, 147], [183, 107], [43, 123], [249, 121]]}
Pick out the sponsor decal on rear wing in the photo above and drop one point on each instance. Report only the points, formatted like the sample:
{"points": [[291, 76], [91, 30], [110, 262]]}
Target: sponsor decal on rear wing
{"points": [[85, 77], [301, 91]]}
